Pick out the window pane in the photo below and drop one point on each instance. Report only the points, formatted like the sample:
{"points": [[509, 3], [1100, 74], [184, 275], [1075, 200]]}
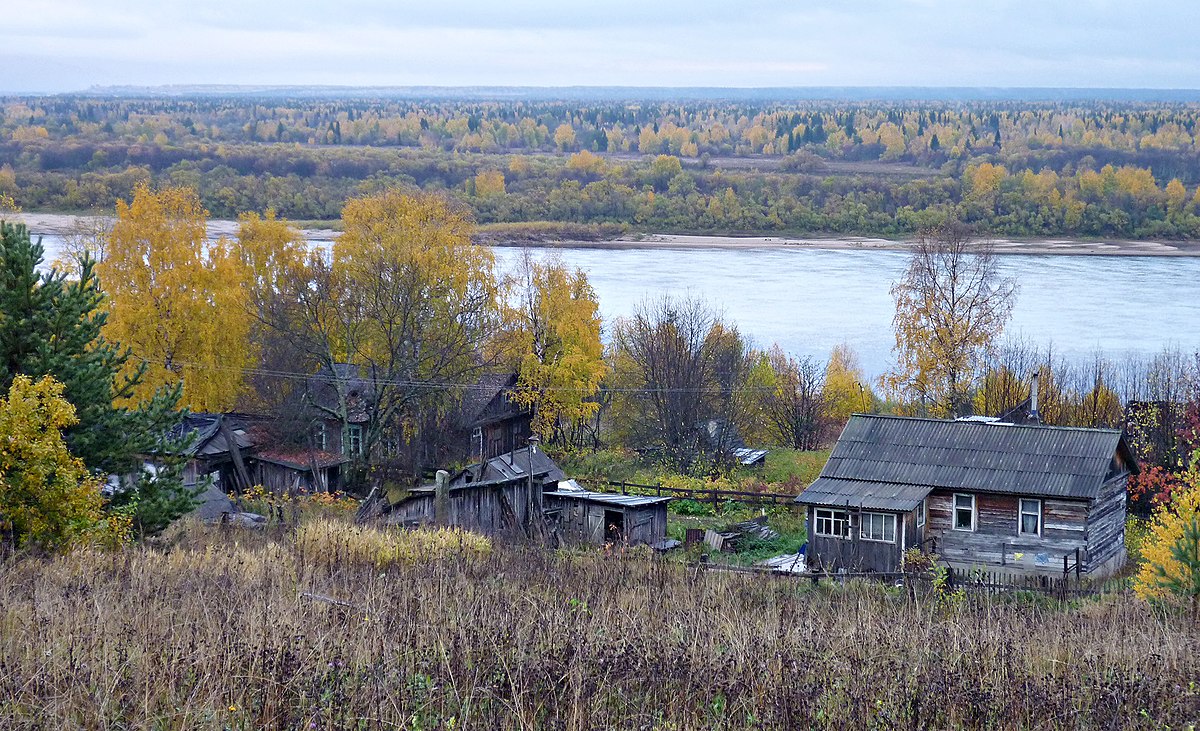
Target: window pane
{"points": [[1029, 523], [962, 519], [962, 501]]}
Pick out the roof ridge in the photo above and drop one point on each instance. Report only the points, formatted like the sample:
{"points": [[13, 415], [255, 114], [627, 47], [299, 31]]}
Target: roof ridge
{"points": [[1005, 424]]}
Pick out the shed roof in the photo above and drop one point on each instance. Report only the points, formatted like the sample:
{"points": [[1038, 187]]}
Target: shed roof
{"points": [[833, 491], [608, 498], [891, 459]]}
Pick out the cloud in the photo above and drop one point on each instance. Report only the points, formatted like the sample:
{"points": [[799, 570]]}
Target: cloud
{"points": [[70, 44]]}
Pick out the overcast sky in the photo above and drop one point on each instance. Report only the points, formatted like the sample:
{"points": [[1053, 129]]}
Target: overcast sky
{"points": [[67, 45]]}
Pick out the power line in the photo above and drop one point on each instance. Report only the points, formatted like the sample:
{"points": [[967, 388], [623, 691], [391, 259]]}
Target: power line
{"points": [[441, 385]]}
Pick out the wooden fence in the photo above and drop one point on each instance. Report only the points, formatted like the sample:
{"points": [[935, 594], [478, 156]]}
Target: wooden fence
{"points": [[973, 582], [705, 495]]}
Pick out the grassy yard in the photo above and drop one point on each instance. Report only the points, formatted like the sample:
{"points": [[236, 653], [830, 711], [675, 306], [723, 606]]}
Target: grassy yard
{"points": [[343, 628]]}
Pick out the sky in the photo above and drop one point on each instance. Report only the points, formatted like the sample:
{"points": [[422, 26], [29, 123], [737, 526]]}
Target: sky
{"points": [[71, 45]]}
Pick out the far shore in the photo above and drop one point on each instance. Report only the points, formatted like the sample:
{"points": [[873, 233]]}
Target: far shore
{"points": [[60, 224]]}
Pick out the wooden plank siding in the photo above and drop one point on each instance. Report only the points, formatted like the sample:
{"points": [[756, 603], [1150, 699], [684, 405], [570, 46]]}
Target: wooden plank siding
{"points": [[996, 541], [1106, 528], [493, 510], [583, 521], [854, 553]]}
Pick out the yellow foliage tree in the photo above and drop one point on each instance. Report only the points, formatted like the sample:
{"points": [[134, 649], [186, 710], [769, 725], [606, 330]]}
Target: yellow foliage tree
{"points": [[405, 308], [846, 391], [564, 137], [555, 323], [47, 496], [1171, 557], [177, 300], [951, 306], [489, 183]]}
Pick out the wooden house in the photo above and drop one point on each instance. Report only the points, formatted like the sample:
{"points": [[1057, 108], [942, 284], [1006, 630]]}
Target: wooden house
{"points": [[980, 493], [217, 453], [284, 471], [496, 425], [583, 516]]}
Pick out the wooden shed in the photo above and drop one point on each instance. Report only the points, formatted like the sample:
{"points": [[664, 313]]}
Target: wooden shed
{"points": [[507, 507], [1018, 498], [582, 516]]}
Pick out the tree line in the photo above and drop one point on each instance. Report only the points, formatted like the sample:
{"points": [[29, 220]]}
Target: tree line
{"points": [[1033, 169]]}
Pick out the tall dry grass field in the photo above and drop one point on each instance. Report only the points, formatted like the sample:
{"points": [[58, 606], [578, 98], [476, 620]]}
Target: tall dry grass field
{"points": [[221, 630]]}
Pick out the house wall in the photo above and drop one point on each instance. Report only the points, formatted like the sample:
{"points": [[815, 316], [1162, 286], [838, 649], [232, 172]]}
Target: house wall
{"points": [[279, 479], [855, 554], [995, 542], [1106, 528]]}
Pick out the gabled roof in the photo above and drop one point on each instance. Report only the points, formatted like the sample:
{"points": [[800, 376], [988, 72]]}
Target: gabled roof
{"points": [[323, 388], [483, 401], [892, 462], [511, 465], [210, 442]]}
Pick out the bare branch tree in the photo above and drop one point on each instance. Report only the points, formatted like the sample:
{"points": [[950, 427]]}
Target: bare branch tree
{"points": [[951, 306]]}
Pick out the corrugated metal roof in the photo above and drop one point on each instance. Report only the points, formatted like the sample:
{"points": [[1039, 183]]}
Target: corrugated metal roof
{"points": [[864, 494], [608, 498], [970, 455]]}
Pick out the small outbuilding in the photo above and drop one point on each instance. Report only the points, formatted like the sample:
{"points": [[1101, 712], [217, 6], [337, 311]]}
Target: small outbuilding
{"points": [[583, 516], [1018, 498]]}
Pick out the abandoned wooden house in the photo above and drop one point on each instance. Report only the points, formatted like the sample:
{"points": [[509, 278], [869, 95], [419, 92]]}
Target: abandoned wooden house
{"points": [[583, 516], [217, 453], [285, 471], [496, 425], [980, 493]]}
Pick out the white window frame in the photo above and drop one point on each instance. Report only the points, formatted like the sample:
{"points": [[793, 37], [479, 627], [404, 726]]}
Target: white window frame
{"points": [[922, 509], [352, 437], [832, 518], [867, 524], [320, 436], [954, 512], [1022, 512]]}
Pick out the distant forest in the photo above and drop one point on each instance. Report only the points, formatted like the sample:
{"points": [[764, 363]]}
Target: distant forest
{"points": [[1128, 169]]}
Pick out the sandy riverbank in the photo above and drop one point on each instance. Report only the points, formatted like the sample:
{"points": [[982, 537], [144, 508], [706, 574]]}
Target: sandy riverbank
{"points": [[859, 243], [59, 224]]}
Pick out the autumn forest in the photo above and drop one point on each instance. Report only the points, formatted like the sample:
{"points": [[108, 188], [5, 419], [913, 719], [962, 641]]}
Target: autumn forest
{"points": [[1026, 169]]}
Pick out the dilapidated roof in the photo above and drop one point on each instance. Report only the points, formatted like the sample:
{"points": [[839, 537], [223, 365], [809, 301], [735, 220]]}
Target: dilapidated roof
{"points": [[511, 465], [608, 498], [892, 462]]}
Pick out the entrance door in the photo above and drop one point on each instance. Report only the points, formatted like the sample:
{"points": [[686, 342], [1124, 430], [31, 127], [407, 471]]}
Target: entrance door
{"points": [[614, 526]]}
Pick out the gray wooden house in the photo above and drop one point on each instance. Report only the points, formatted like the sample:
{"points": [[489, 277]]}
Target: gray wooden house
{"points": [[980, 493], [583, 516]]}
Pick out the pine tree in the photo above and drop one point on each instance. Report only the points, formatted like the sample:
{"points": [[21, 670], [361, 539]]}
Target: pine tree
{"points": [[51, 325]]}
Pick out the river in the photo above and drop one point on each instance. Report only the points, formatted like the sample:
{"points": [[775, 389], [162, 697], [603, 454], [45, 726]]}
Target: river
{"points": [[809, 300]]}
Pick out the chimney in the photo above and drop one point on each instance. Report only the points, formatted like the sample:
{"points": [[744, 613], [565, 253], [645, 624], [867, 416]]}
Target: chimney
{"points": [[1034, 416]]}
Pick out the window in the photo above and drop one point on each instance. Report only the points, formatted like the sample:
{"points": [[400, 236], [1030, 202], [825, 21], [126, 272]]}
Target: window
{"points": [[920, 513], [353, 446], [835, 523], [964, 512], [319, 437], [878, 527], [1030, 523]]}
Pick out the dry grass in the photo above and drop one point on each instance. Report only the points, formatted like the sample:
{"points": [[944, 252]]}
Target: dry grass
{"points": [[214, 631]]}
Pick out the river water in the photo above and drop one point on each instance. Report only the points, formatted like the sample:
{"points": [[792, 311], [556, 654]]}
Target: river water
{"points": [[809, 300]]}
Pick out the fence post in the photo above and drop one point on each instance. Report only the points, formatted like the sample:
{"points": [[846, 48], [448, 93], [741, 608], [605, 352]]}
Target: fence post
{"points": [[714, 499]]}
